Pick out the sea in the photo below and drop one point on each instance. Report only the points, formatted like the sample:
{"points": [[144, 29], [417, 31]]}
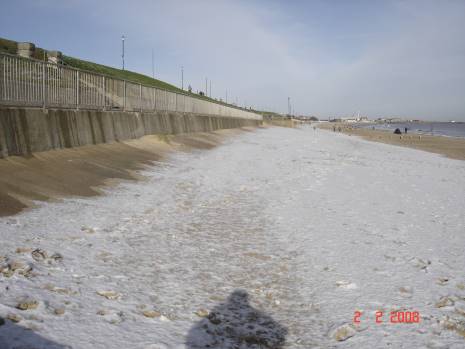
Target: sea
{"points": [[449, 129]]}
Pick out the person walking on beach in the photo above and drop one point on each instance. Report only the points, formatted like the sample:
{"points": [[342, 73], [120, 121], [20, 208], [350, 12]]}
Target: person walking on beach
{"points": [[405, 129]]}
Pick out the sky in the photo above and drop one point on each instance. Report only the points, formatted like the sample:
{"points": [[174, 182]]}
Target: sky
{"points": [[331, 57]]}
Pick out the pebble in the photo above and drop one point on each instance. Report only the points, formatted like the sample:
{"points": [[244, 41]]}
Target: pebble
{"points": [[460, 309], [59, 311], [16, 265], [60, 290], [406, 291], [88, 230], [39, 255], [420, 263], [214, 318], [452, 324], [14, 318], [27, 304], [8, 272], [444, 302], [202, 313], [151, 313], [57, 257], [23, 250], [343, 332], [111, 295], [442, 281]]}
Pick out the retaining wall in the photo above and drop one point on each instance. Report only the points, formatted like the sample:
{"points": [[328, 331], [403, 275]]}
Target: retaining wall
{"points": [[24, 131]]}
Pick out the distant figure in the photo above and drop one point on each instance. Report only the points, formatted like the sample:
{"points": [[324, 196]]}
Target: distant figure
{"points": [[405, 130], [334, 128], [339, 129], [397, 131]]}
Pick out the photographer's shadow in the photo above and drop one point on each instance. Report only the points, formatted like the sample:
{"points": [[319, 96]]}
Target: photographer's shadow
{"points": [[236, 324], [13, 336]]}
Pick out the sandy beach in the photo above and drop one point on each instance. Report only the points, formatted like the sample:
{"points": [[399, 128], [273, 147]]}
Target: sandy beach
{"points": [[448, 146], [84, 171], [277, 238]]}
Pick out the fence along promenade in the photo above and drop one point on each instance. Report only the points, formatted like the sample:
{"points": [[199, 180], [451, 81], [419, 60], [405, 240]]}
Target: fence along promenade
{"points": [[33, 83]]}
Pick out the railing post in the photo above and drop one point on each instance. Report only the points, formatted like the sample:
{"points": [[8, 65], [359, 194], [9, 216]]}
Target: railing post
{"points": [[44, 87], [104, 94], [4, 78], [154, 97], [140, 97], [78, 77], [124, 95]]}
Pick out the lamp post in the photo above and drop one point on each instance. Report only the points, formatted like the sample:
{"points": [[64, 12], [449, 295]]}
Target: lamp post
{"points": [[153, 66], [122, 54], [182, 78]]}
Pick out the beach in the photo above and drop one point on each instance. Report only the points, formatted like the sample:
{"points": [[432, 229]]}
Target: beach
{"points": [[277, 238], [452, 147], [85, 170]]}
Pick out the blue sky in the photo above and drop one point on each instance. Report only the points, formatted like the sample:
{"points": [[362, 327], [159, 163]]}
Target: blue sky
{"points": [[333, 58]]}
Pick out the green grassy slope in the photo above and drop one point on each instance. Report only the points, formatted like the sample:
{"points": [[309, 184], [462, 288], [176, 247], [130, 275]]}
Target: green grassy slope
{"points": [[118, 73], [9, 46]]}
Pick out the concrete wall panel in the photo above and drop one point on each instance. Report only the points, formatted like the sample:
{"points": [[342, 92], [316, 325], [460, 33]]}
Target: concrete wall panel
{"points": [[24, 131]]}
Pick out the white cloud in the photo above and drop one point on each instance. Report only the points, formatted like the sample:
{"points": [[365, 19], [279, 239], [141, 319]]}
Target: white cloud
{"points": [[406, 58]]}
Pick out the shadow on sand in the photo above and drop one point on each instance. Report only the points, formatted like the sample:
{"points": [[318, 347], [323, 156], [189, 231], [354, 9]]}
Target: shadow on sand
{"points": [[235, 324], [13, 336]]}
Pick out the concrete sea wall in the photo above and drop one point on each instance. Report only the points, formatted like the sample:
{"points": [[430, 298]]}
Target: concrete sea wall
{"points": [[24, 131]]}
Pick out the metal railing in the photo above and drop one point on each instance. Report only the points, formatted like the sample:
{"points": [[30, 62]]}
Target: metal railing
{"points": [[34, 83]]}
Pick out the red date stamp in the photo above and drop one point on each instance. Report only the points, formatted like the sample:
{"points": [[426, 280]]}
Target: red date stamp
{"points": [[394, 317]]}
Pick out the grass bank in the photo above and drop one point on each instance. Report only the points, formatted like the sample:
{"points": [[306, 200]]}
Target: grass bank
{"points": [[10, 47]]}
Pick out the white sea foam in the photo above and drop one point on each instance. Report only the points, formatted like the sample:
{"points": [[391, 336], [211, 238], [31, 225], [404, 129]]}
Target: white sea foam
{"points": [[312, 225]]}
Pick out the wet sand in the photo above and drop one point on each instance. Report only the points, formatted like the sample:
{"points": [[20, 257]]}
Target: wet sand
{"points": [[51, 175], [450, 147]]}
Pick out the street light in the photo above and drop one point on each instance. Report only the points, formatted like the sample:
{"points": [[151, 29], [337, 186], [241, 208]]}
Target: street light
{"points": [[153, 66], [182, 78], [122, 55]]}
